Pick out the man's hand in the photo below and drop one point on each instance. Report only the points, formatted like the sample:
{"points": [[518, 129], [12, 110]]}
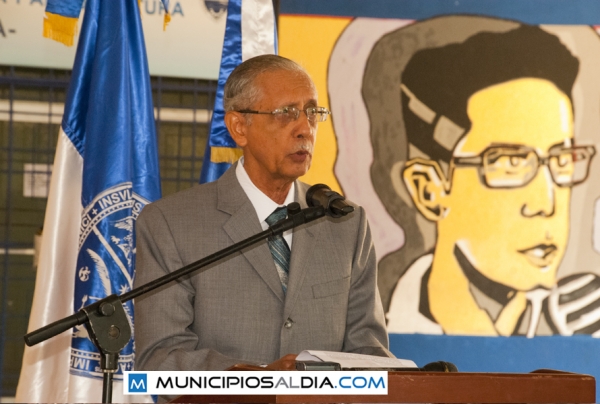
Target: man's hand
{"points": [[287, 362]]}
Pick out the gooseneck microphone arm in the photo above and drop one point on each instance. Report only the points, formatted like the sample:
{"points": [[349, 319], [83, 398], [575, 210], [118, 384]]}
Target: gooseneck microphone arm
{"points": [[107, 322], [296, 218]]}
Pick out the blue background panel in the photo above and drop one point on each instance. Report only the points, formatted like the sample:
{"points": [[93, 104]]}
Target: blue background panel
{"points": [[585, 12]]}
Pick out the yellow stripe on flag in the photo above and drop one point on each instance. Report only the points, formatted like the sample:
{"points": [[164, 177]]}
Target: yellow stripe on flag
{"points": [[225, 154], [59, 28]]}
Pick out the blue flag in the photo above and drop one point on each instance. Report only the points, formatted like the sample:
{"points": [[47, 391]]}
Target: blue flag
{"points": [[250, 31], [60, 19], [105, 171]]}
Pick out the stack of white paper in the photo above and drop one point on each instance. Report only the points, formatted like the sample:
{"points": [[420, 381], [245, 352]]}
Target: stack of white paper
{"points": [[354, 361]]}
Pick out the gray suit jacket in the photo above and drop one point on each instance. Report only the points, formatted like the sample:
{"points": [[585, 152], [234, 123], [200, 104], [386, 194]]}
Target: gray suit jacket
{"points": [[236, 312]]}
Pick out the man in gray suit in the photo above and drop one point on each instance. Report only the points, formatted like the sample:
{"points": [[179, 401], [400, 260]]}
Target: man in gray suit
{"points": [[261, 306]]}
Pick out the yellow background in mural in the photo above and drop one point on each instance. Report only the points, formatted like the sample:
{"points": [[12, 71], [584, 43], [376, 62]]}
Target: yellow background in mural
{"points": [[309, 41]]}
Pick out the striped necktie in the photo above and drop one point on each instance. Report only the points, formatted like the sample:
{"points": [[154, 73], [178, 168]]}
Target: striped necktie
{"points": [[279, 248]]}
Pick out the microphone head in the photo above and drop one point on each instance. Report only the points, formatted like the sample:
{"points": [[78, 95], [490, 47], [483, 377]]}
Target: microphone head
{"points": [[313, 198], [333, 203], [441, 366]]}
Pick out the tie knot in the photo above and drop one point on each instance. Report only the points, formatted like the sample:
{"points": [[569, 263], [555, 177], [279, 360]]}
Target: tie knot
{"points": [[277, 215]]}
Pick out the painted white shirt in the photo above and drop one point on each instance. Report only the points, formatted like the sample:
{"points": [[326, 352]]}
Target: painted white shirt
{"points": [[403, 315]]}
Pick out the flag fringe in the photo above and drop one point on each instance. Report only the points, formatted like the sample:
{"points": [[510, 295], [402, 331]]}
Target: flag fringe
{"points": [[225, 154], [60, 28]]}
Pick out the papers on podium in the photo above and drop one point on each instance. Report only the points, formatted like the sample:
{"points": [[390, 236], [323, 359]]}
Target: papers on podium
{"points": [[356, 361]]}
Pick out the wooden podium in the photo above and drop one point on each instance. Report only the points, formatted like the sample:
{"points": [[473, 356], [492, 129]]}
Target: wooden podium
{"points": [[542, 386]]}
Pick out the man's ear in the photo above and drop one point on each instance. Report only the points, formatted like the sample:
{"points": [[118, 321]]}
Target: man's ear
{"points": [[427, 186], [236, 125]]}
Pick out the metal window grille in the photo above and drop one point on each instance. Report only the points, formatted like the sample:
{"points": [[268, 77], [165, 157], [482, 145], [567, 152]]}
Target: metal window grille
{"points": [[31, 107]]}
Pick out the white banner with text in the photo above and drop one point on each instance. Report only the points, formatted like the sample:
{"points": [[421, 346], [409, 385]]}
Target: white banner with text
{"points": [[190, 47]]}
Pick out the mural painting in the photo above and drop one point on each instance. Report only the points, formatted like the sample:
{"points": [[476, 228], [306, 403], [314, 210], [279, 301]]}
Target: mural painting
{"points": [[475, 129], [470, 140]]}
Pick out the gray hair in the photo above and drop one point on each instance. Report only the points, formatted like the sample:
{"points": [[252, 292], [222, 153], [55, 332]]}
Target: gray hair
{"points": [[240, 91]]}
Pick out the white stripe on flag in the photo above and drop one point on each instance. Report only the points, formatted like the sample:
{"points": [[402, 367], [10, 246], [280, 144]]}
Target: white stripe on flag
{"points": [[258, 28], [53, 296]]}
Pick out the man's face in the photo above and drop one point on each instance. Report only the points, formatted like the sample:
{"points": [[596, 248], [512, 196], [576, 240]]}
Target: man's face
{"points": [[275, 150], [515, 236]]}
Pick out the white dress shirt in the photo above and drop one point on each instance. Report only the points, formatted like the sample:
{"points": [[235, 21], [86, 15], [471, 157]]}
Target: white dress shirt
{"points": [[263, 205]]}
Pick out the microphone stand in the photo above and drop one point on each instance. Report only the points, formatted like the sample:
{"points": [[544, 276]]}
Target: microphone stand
{"points": [[107, 322]]}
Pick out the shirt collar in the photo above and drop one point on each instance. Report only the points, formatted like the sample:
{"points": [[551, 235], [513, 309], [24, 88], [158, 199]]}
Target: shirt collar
{"points": [[263, 205]]}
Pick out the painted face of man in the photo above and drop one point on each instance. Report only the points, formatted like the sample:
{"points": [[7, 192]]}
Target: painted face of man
{"points": [[513, 229]]}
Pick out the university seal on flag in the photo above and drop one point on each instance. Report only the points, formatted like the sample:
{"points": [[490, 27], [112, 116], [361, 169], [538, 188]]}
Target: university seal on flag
{"points": [[105, 266]]}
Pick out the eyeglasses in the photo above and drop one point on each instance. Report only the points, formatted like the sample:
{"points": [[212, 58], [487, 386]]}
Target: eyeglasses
{"points": [[288, 114], [515, 166]]}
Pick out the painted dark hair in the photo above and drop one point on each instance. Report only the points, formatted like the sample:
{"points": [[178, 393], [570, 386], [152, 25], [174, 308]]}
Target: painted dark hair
{"points": [[443, 79]]}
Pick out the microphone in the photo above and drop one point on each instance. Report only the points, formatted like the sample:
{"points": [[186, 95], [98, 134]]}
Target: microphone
{"points": [[440, 366], [334, 204]]}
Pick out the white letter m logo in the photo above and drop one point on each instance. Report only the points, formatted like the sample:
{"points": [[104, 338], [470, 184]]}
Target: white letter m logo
{"points": [[138, 383]]}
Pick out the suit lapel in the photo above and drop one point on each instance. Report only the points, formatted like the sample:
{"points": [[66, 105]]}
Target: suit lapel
{"points": [[242, 224], [303, 244]]}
